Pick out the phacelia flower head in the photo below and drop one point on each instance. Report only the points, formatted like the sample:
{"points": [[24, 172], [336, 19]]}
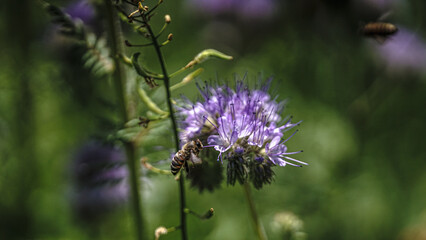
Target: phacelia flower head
{"points": [[244, 126]]}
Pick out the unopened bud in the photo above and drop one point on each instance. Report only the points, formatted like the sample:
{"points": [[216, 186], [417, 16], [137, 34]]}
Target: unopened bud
{"points": [[167, 18], [170, 37], [207, 54], [192, 75], [209, 213], [260, 173], [237, 169], [160, 231]]}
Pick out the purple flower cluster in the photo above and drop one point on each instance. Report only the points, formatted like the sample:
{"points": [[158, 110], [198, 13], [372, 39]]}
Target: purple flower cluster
{"points": [[99, 175], [240, 122], [251, 9]]}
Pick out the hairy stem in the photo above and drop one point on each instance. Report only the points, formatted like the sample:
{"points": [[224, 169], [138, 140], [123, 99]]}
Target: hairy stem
{"points": [[116, 45], [260, 231], [166, 79]]}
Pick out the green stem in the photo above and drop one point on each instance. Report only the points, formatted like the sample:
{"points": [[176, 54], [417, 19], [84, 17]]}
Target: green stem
{"points": [[162, 30], [260, 231], [116, 44], [177, 72], [174, 126]]}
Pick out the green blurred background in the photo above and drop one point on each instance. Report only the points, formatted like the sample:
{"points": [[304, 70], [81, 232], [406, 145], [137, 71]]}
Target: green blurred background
{"points": [[362, 132]]}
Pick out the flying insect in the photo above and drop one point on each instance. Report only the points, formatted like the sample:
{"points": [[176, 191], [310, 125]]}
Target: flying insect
{"points": [[380, 31]]}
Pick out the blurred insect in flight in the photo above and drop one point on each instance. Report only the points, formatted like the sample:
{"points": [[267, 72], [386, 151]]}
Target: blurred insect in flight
{"points": [[189, 151], [380, 31]]}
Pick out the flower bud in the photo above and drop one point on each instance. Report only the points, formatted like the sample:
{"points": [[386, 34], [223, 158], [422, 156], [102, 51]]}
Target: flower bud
{"points": [[160, 231], [170, 37], [237, 169], [167, 19], [207, 54], [260, 173]]}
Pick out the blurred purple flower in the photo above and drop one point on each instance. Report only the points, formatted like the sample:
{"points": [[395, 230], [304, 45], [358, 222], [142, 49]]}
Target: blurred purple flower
{"points": [[82, 10], [244, 126], [99, 175], [249, 9], [257, 8], [79, 11], [405, 51], [214, 6], [378, 4]]}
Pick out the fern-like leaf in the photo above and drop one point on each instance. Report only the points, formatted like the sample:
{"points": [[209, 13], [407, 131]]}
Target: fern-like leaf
{"points": [[97, 57]]}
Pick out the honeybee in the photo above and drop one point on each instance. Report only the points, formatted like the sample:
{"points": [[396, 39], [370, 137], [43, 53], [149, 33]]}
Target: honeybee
{"points": [[189, 151], [380, 31]]}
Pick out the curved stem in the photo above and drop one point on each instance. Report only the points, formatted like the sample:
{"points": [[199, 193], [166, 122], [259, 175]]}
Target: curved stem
{"points": [[257, 224], [116, 44], [166, 79]]}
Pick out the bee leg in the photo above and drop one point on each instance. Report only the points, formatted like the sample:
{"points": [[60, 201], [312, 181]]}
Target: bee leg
{"points": [[186, 167], [178, 175]]}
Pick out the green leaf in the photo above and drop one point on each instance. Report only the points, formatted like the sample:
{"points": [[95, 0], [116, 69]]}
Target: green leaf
{"points": [[97, 57]]}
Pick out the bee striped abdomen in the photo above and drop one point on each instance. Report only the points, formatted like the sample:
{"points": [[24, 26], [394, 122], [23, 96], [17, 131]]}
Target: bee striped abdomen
{"points": [[379, 28], [177, 162]]}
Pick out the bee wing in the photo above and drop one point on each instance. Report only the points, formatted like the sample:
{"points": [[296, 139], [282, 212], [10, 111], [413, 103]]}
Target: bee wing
{"points": [[195, 159], [385, 15]]}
